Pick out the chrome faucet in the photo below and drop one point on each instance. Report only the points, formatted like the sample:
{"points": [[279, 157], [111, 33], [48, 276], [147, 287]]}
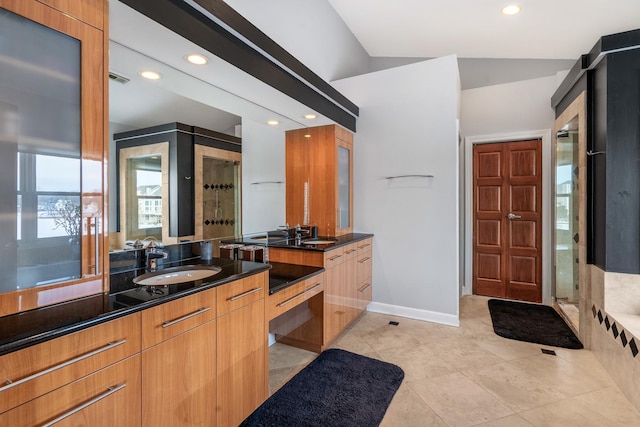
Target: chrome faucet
{"points": [[152, 256]]}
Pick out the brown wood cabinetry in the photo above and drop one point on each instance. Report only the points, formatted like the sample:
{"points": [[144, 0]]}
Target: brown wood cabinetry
{"points": [[199, 360], [53, 373], [282, 301], [108, 397], [83, 26], [347, 289], [319, 176], [364, 274], [242, 349], [179, 362]]}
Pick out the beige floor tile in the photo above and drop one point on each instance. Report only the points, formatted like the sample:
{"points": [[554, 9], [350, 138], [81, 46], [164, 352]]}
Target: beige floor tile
{"points": [[469, 376], [285, 356], [408, 409], [612, 404], [353, 343], [389, 337], [562, 375], [508, 349], [465, 353], [514, 386], [607, 407], [418, 363], [459, 401], [510, 421]]}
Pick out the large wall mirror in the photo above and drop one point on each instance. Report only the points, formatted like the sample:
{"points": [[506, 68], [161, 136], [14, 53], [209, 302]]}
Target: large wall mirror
{"points": [[216, 96]]}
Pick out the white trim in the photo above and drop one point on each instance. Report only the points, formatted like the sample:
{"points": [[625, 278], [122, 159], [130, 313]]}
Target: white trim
{"points": [[414, 313], [547, 203]]}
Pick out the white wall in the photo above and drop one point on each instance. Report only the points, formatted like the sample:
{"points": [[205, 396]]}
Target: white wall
{"points": [[312, 31], [263, 159], [407, 125], [510, 107]]}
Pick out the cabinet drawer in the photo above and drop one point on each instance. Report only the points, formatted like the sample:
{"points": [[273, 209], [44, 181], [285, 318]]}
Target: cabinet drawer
{"points": [[364, 263], [175, 317], [242, 292], [109, 397], [31, 372], [350, 251], [290, 297], [366, 244], [334, 257]]}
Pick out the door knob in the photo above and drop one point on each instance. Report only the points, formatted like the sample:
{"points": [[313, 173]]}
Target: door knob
{"points": [[513, 216]]}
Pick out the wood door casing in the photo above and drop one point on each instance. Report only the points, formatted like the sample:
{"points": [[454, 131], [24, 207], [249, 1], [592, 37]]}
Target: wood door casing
{"points": [[507, 253]]}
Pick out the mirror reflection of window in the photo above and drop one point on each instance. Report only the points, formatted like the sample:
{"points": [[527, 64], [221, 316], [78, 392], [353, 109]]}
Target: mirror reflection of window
{"points": [[144, 193]]}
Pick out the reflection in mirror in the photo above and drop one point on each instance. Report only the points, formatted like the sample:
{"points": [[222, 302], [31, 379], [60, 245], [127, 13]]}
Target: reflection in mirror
{"points": [[143, 193], [218, 193], [144, 197]]}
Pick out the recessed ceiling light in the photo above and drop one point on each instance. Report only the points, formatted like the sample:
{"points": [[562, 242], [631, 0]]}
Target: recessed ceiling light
{"points": [[309, 116], [196, 59], [512, 9], [273, 122], [150, 75]]}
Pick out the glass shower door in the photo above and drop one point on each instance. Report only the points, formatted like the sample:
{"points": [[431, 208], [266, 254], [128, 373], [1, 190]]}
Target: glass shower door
{"points": [[566, 216]]}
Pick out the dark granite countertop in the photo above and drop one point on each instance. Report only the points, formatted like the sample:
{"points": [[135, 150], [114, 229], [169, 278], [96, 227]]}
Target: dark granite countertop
{"points": [[31, 327], [281, 275], [283, 243]]}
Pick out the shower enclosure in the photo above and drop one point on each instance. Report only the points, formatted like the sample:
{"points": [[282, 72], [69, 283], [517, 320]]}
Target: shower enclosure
{"points": [[570, 211]]}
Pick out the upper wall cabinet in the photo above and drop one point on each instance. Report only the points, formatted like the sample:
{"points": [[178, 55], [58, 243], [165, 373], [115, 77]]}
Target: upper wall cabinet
{"points": [[175, 182], [53, 87], [319, 175]]}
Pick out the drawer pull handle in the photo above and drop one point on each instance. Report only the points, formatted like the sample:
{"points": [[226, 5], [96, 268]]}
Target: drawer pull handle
{"points": [[285, 302], [244, 294], [9, 384], [364, 288], [185, 317], [111, 390], [333, 258], [351, 251], [364, 246], [363, 260]]}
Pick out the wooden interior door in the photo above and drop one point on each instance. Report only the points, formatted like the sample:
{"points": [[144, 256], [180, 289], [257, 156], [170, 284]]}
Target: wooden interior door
{"points": [[507, 209]]}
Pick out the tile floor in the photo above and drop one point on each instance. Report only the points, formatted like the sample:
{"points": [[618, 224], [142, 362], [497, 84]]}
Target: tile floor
{"points": [[468, 376]]}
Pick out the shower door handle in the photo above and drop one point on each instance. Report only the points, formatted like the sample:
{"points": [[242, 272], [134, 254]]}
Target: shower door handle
{"points": [[513, 216]]}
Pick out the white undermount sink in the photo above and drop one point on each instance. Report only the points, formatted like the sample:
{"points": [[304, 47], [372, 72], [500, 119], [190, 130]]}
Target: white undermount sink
{"points": [[176, 275]]}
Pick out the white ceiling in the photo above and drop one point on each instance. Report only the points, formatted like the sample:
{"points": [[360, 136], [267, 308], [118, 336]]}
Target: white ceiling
{"points": [[389, 29], [545, 29]]}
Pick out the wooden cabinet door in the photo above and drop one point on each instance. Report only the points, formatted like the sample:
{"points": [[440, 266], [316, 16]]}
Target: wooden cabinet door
{"points": [[41, 368], [179, 379], [53, 204], [320, 179], [507, 233], [242, 363], [334, 302], [109, 397]]}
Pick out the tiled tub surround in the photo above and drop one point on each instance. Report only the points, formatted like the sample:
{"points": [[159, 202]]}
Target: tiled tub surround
{"points": [[615, 328]]}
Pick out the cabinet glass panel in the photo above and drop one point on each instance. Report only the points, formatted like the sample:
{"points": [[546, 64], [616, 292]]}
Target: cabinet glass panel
{"points": [[343, 187], [40, 144]]}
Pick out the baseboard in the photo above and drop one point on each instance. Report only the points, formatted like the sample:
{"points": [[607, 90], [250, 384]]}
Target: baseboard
{"points": [[414, 313]]}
